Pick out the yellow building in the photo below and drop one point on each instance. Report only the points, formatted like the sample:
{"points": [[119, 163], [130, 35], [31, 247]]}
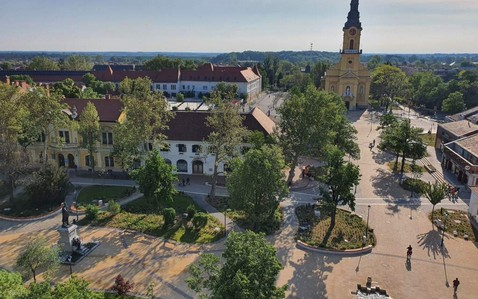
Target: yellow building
{"points": [[349, 78], [69, 152]]}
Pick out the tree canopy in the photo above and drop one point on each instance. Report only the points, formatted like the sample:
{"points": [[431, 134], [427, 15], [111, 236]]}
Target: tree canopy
{"points": [[89, 129], [256, 186], [37, 256], [250, 270], [388, 82]]}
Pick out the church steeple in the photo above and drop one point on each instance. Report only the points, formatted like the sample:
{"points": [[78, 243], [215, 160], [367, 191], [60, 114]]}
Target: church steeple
{"points": [[353, 19]]}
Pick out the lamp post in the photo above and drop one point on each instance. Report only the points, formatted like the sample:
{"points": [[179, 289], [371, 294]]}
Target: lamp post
{"points": [[366, 228], [68, 259], [443, 230], [225, 221]]}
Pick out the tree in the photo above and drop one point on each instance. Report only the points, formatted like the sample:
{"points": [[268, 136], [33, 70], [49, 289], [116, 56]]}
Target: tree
{"points": [[250, 270], [161, 63], [45, 116], [317, 72], [180, 97], [122, 286], [454, 103], [75, 288], [374, 62], [156, 179], [48, 186], [11, 285], [435, 193], [145, 115], [227, 133], [388, 82], [257, 185], [310, 121], [401, 138], [224, 92], [89, 129], [77, 63], [339, 177], [38, 256], [427, 89], [13, 163], [40, 290], [42, 63], [67, 88]]}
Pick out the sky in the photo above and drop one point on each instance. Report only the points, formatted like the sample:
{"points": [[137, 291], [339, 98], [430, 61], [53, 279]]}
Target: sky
{"points": [[389, 26]]}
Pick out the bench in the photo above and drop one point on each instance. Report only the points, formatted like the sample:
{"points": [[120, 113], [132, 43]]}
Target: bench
{"points": [[430, 168]]}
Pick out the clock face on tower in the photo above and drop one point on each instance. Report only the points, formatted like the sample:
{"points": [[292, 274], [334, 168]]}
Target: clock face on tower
{"points": [[352, 31]]}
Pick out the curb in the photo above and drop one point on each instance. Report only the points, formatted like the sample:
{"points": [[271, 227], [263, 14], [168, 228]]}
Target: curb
{"points": [[349, 252], [27, 219]]}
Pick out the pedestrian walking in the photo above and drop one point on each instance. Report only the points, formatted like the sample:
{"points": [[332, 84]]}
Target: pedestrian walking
{"points": [[456, 283], [187, 181], [184, 182]]}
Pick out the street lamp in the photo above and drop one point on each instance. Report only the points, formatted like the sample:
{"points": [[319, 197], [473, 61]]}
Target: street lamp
{"points": [[443, 229], [68, 259], [366, 228], [225, 223]]}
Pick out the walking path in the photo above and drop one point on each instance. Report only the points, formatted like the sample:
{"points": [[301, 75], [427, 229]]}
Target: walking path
{"points": [[397, 219]]}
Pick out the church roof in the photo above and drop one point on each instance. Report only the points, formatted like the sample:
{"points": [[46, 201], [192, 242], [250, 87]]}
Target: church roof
{"points": [[353, 19]]}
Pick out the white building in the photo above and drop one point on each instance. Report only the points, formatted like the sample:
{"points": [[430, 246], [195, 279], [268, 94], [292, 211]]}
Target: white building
{"points": [[186, 135]]}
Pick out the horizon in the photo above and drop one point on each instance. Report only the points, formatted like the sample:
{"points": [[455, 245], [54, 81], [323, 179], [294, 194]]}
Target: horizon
{"points": [[213, 26]]}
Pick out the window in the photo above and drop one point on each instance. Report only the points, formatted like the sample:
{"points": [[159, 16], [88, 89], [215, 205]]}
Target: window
{"points": [[182, 148], [148, 146], [184, 87], [196, 148], [189, 87], [165, 147], [158, 86], [204, 87], [65, 136], [107, 138], [182, 166], [88, 160], [41, 137], [109, 162], [165, 86], [351, 44], [173, 86]]}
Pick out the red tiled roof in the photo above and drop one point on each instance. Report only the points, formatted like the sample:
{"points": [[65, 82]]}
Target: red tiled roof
{"points": [[209, 72], [167, 76], [191, 125], [109, 110]]}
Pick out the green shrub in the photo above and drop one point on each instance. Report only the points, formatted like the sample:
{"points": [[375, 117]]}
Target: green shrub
{"points": [[191, 210], [415, 185], [199, 220], [114, 207], [92, 212], [169, 215]]}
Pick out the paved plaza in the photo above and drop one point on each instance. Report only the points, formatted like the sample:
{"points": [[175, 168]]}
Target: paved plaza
{"points": [[397, 220]]}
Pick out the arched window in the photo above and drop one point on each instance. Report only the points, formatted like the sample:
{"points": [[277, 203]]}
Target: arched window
{"points": [[361, 90], [351, 44], [332, 88], [182, 166], [167, 161]]}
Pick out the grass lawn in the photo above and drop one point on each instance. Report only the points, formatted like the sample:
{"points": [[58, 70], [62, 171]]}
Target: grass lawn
{"points": [[141, 215], [105, 193], [408, 166], [221, 204], [456, 221], [347, 234], [429, 139], [148, 206], [22, 206]]}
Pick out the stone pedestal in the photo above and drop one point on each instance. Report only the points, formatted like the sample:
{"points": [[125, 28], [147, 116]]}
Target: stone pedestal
{"points": [[66, 237]]}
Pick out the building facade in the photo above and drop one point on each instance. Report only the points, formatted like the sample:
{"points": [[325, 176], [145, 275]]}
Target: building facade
{"points": [[460, 157], [349, 78]]}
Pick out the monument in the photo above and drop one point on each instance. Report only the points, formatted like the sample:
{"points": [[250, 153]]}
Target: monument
{"points": [[72, 249]]}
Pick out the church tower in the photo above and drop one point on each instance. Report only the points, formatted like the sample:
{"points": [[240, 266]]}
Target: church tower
{"points": [[349, 78]]}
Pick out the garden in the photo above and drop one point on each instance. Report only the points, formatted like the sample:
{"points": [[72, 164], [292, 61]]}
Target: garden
{"points": [[105, 193], [348, 232], [181, 220], [222, 204], [455, 222]]}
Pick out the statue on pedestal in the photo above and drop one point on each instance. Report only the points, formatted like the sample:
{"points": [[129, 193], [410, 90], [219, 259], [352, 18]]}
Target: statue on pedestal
{"points": [[64, 215]]}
